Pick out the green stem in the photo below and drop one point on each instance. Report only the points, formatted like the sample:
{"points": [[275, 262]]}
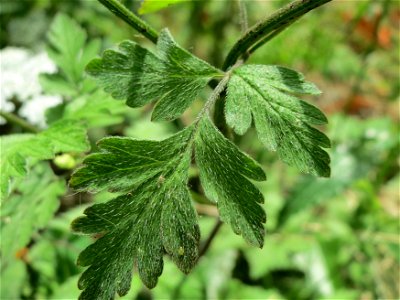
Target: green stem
{"points": [[118, 9], [269, 37], [218, 90], [216, 94], [265, 27], [14, 119]]}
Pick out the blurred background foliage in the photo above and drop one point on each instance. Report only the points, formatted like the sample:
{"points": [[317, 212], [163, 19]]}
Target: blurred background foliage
{"points": [[335, 238]]}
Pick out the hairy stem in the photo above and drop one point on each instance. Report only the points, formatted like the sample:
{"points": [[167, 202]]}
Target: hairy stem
{"points": [[269, 37], [118, 9], [276, 21], [14, 119], [214, 95]]}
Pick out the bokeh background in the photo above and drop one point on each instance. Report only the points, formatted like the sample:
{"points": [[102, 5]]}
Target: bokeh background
{"points": [[335, 238]]}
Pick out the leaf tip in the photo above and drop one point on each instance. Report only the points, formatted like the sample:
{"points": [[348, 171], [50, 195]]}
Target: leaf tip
{"points": [[76, 224], [93, 66], [326, 173]]}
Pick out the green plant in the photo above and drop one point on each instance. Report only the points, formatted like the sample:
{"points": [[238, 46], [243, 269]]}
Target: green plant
{"points": [[153, 212]]}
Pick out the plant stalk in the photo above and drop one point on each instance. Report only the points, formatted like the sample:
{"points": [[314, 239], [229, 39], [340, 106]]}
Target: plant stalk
{"points": [[269, 37], [276, 21], [215, 95], [121, 11], [14, 119]]}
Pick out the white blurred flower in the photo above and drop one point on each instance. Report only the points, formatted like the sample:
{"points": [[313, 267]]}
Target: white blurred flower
{"points": [[6, 106], [33, 110], [19, 78]]}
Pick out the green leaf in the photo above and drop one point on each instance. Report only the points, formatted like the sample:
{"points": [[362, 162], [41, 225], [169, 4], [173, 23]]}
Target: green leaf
{"points": [[283, 122], [224, 170], [69, 50], [65, 136], [13, 278], [150, 6], [19, 151], [29, 210], [46, 260], [56, 84], [96, 110], [172, 76], [155, 214]]}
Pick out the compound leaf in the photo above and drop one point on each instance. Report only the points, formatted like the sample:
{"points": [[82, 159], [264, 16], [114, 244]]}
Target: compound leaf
{"points": [[69, 50], [224, 170], [19, 151], [172, 76], [283, 122], [155, 214]]}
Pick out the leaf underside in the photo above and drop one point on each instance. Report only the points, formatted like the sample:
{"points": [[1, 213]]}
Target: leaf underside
{"points": [[283, 122], [224, 170], [155, 214], [171, 76]]}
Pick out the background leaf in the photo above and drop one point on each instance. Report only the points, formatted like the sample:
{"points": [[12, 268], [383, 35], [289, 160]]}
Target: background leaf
{"points": [[13, 279], [97, 109], [69, 50], [31, 210], [19, 152]]}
